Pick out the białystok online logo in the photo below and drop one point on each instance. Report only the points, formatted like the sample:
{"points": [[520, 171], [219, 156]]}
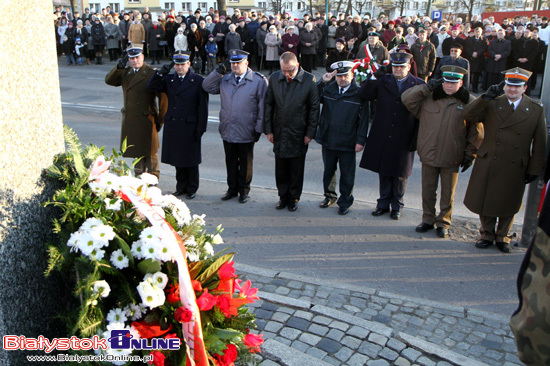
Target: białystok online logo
{"points": [[120, 339]]}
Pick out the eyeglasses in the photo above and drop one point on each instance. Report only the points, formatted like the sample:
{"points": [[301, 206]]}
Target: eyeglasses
{"points": [[288, 72]]}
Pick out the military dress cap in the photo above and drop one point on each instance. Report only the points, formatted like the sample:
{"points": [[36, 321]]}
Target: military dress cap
{"points": [[236, 55], [374, 34], [342, 67], [181, 57], [452, 73], [516, 76], [400, 58], [134, 50]]}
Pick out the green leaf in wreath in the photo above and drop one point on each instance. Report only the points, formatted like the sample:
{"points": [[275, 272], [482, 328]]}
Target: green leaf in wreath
{"points": [[227, 333], [195, 268], [148, 266], [212, 270]]}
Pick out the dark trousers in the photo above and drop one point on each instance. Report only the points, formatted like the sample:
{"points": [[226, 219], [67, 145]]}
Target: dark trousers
{"points": [[494, 78], [308, 61], [475, 81], [238, 162], [346, 160], [148, 164], [392, 190], [187, 179], [289, 176]]}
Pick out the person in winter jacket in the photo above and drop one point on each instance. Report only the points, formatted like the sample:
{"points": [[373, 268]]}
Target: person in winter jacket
{"points": [[211, 49], [99, 40]]}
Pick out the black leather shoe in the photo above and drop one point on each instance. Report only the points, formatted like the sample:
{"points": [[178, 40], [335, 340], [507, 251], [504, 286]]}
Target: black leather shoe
{"points": [[423, 227], [280, 205], [442, 232], [395, 214], [343, 211], [191, 195], [292, 206], [379, 211], [327, 202], [243, 198], [503, 247], [483, 243], [178, 193], [228, 196]]}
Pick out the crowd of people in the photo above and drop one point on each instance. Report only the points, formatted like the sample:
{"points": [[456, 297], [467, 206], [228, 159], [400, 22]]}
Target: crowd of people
{"points": [[485, 48]]}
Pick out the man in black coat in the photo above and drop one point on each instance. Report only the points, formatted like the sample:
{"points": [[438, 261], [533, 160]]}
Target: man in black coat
{"points": [[455, 59], [476, 47], [291, 116], [341, 131], [499, 50], [453, 39], [185, 121], [388, 149], [524, 52]]}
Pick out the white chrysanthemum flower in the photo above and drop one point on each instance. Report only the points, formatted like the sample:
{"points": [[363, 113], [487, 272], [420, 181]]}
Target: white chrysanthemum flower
{"points": [[102, 234], [160, 280], [87, 244], [108, 181], [73, 241], [119, 260], [136, 312], [164, 252], [115, 326], [150, 295], [128, 181], [150, 234], [97, 254], [199, 219], [217, 239], [97, 188], [150, 250], [115, 206], [102, 288], [90, 223], [190, 242], [155, 195], [137, 250], [116, 315], [149, 179], [208, 248], [193, 256], [179, 209]]}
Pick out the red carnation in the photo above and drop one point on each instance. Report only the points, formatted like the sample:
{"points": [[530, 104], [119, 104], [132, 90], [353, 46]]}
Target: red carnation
{"points": [[206, 301], [158, 358], [227, 271], [229, 356], [173, 293], [224, 303], [183, 315]]}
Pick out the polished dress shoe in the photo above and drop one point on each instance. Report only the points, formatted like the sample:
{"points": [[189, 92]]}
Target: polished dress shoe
{"points": [[379, 211], [178, 193], [343, 211], [228, 196], [442, 232], [503, 247], [395, 214], [423, 227], [243, 198], [191, 195], [327, 202], [280, 205], [292, 206], [483, 243]]}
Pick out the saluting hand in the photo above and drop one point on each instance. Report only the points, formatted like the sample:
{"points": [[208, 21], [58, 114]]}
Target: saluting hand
{"points": [[327, 77], [165, 69]]}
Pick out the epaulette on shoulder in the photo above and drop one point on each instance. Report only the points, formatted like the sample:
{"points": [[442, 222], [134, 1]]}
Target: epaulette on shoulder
{"points": [[260, 74]]}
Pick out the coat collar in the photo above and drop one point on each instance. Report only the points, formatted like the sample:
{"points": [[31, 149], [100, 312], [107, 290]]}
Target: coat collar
{"points": [[299, 76], [505, 113], [248, 75], [139, 76], [189, 80]]}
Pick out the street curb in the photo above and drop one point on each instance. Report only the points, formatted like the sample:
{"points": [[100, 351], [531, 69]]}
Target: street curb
{"points": [[287, 356], [438, 351]]}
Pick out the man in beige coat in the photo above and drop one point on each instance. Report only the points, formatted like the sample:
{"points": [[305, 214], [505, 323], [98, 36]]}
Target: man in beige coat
{"points": [[511, 156], [445, 142], [141, 119]]}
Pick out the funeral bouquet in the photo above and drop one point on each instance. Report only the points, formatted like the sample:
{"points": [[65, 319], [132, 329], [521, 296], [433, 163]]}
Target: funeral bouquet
{"points": [[143, 268]]}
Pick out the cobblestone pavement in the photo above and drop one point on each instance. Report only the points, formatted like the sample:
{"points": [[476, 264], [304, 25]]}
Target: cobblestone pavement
{"points": [[306, 321]]}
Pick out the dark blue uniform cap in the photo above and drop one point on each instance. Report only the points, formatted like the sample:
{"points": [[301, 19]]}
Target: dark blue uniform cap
{"points": [[180, 57], [400, 58], [237, 55]]}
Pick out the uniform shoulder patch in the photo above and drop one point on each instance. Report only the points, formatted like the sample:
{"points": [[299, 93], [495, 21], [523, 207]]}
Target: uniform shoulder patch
{"points": [[260, 74]]}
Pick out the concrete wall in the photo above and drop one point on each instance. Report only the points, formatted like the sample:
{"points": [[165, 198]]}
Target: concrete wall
{"points": [[31, 134]]}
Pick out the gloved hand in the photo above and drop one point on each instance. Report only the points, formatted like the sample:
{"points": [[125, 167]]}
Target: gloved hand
{"points": [[493, 91], [256, 136], [382, 70], [122, 62], [198, 135], [466, 164], [434, 83], [530, 178], [224, 68], [165, 69], [158, 125]]}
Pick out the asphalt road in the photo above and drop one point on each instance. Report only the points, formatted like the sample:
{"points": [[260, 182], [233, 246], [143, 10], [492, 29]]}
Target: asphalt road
{"points": [[358, 249]]}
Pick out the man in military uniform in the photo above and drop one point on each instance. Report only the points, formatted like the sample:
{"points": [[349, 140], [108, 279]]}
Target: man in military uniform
{"points": [[141, 119], [341, 131], [242, 93], [445, 141], [185, 121], [511, 156], [388, 149]]}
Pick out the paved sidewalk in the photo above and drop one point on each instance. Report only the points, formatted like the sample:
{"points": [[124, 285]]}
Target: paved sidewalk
{"points": [[307, 321]]}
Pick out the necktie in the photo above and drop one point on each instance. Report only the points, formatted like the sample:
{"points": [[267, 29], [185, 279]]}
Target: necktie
{"points": [[513, 107], [135, 71], [289, 79], [238, 78], [341, 91]]}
